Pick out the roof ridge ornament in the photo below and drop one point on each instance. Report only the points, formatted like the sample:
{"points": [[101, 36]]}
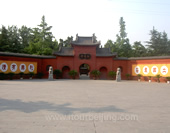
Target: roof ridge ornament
{"points": [[76, 37], [94, 38]]}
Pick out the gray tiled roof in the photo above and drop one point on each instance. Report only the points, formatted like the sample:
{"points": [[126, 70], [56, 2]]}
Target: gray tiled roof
{"points": [[85, 41], [104, 52], [143, 58], [65, 51], [26, 55]]}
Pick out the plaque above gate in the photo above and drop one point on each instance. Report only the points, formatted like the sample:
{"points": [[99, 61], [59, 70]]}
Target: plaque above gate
{"points": [[84, 56]]}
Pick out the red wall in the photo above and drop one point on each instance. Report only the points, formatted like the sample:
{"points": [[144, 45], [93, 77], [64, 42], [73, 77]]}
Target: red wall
{"points": [[64, 61], [123, 64], [95, 62], [12, 58]]}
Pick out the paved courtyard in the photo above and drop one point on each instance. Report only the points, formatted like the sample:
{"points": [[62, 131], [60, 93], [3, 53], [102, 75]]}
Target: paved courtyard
{"points": [[84, 106]]}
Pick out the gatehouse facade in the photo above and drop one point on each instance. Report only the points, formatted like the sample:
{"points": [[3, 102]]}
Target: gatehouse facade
{"points": [[84, 55]]}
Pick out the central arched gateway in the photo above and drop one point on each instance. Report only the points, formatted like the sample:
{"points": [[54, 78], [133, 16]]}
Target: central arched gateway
{"points": [[84, 69]]}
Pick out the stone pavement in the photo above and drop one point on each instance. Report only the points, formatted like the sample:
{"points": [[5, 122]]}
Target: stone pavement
{"points": [[84, 106]]}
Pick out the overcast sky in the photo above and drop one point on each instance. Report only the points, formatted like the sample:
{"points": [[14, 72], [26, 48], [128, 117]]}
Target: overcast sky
{"points": [[85, 17]]}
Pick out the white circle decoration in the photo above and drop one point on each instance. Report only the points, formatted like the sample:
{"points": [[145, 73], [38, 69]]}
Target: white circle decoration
{"points": [[154, 70], [145, 69], [31, 67], [137, 69], [13, 67], [164, 70], [22, 67], [4, 67]]}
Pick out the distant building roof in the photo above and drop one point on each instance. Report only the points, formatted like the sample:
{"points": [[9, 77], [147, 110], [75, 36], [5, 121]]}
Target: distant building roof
{"points": [[65, 51], [87, 41], [26, 55], [104, 52], [143, 58]]}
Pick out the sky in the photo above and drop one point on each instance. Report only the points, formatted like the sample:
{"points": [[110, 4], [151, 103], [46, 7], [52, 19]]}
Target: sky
{"points": [[85, 17]]}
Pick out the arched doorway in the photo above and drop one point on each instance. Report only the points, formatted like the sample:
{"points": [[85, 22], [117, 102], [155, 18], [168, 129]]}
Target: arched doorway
{"points": [[121, 68], [84, 70], [103, 74], [65, 71]]}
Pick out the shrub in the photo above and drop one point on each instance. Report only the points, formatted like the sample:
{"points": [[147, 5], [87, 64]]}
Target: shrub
{"points": [[95, 73], [112, 74], [73, 73], [158, 77], [168, 78], [58, 73], [21, 74], [2, 76], [31, 74], [40, 75], [128, 76], [149, 77], [139, 76], [11, 74]]}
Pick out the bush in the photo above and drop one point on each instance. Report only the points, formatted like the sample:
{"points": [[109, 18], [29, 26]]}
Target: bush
{"points": [[73, 73], [58, 73], [112, 74], [40, 75], [21, 74], [11, 74], [158, 77], [95, 73], [139, 76], [128, 76], [168, 78], [2, 76], [149, 77], [31, 74]]}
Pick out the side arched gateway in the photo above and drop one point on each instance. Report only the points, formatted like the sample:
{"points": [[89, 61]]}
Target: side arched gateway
{"points": [[65, 71], [104, 72]]}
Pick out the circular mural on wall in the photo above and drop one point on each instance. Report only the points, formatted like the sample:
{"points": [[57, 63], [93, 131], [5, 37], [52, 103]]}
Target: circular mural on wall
{"points": [[22, 67], [145, 69], [4, 67], [154, 70], [164, 70], [31, 67], [137, 69], [13, 67]]}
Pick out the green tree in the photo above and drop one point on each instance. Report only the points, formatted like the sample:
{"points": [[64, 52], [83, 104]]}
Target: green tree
{"points": [[68, 41], [34, 44], [158, 43], [4, 43], [122, 31], [13, 39], [42, 40], [25, 37], [138, 50], [110, 44], [122, 45]]}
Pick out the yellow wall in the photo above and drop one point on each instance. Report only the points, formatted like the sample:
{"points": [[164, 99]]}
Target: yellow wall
{"points": [[161, 70], [18, 63]]}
